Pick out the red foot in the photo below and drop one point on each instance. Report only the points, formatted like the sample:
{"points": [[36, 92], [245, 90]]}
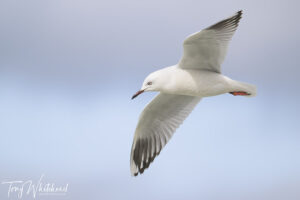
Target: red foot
{"points": [[239, 93]]}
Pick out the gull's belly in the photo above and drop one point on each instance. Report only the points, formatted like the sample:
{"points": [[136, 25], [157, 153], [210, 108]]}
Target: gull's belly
{"points": [[200, 83]]}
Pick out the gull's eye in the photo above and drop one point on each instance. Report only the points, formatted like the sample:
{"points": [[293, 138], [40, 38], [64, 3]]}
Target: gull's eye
{"points": [[149, 83]]}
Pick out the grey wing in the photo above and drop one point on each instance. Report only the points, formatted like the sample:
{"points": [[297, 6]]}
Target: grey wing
{"points": [[157, 123], [206, 50]]}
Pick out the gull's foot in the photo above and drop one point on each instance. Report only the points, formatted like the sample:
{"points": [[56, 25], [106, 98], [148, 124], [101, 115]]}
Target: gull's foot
{"points": [[240, 93]]}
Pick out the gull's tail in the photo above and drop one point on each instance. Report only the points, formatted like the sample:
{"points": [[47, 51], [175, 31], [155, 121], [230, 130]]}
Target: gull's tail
{"points": [[244, 89]]}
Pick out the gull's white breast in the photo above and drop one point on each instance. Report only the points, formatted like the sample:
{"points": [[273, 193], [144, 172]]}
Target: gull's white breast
{"points": [[192, 82]]}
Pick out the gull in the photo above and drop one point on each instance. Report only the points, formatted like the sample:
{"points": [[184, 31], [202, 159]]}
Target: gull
{"points": [[181, 87]]}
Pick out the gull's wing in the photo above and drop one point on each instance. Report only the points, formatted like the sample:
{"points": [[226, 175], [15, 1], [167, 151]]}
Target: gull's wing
{"points": [[206, 50], [157, 123]]}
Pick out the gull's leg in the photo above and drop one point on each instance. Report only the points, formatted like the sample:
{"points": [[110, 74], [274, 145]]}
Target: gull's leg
{"points": [[239, 93]]}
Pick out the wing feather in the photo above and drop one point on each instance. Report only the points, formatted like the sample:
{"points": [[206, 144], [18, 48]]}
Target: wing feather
{"points": [[157, 123], [206, 50]]}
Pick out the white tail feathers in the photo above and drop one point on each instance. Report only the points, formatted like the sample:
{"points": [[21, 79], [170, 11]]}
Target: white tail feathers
{"points": [[244, 87]]}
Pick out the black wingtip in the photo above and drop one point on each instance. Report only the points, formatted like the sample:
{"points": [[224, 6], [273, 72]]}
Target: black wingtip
{"points": [[146, 165], [239, 14], [230, 22]]}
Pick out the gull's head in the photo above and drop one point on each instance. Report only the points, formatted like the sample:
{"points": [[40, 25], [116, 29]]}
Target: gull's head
{"points": [[151, 83]]}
